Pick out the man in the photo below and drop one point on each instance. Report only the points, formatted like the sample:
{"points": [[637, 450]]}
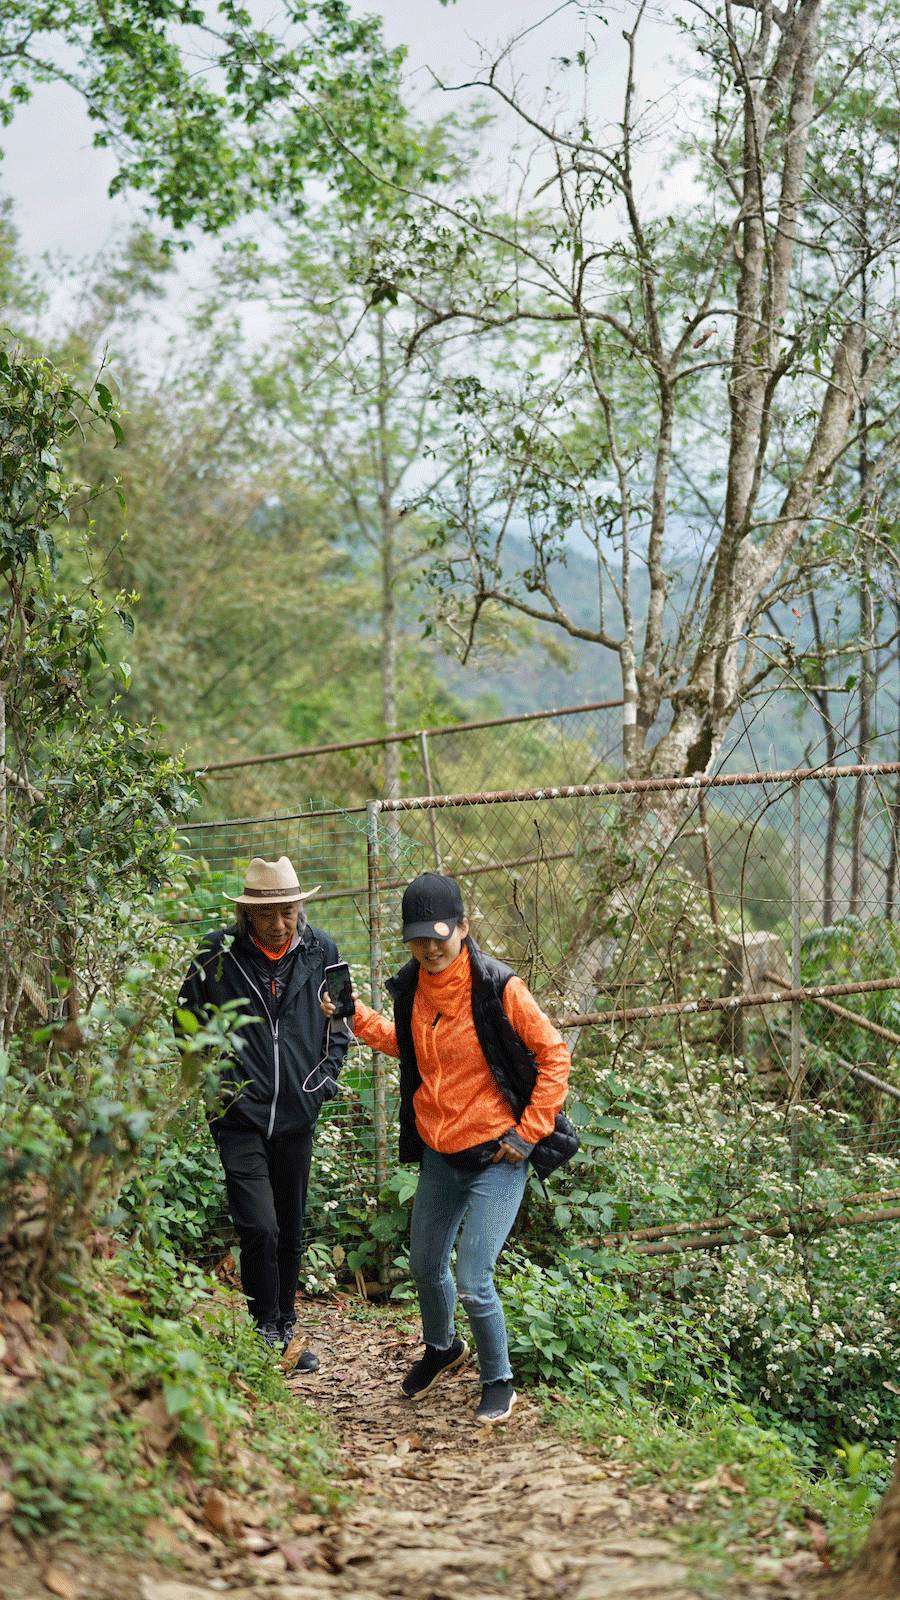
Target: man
{"points": [[284, 1067]]}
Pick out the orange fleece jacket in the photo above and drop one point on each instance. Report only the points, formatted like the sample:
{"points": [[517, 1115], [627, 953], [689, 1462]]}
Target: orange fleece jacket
{"points": [[458, 1103]]}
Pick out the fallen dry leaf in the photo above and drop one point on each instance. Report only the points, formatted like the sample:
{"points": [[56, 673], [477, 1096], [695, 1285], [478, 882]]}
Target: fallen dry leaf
{"points": [[18, 1311], [159, 1428], [200, 1535], [818, 1534], [59, 1583], [541, 1568], [732, 1482], [273, 1562], [256, 1543], [157, 1531], [218, 1512], [722, 1478], [171, 1589], [303, 1554]]}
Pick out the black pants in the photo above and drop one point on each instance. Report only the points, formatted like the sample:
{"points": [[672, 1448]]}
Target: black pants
{"points": [[266, 1180]]}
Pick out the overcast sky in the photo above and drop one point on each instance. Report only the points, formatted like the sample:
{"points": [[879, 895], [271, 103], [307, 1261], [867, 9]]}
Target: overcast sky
{"points": [[59, 182]]}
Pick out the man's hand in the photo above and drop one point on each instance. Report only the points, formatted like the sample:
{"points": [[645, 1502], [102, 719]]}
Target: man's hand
{"points": [[507, 1153], [328, 1005]]}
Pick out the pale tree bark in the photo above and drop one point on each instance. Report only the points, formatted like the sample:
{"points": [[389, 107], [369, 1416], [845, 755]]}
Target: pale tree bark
{"points": [[387, 542], [867, 679], [867, 658], [891, 886]]}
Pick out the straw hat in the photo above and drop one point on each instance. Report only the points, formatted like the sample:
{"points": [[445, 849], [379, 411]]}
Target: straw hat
{"points": [[270, 883]]}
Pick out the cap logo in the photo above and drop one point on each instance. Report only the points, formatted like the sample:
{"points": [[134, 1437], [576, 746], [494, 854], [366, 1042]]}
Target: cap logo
{"points": [[442, 931]]}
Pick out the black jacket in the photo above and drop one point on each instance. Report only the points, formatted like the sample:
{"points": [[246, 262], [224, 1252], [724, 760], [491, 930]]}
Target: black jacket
{"points": [[273, 1056], [509, 1058]]}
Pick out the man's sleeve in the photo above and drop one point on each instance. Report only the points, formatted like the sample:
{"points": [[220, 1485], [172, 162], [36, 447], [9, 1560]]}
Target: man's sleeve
{"points": [[193, 995]]}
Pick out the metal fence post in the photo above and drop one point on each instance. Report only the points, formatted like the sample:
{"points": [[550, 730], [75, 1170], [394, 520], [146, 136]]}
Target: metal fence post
{"points": [[797, 1071], [796, 1005], [429, 789], [376, 972]]}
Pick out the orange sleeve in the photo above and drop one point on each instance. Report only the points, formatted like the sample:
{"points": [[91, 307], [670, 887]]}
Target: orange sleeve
{"points": [[374, 1029], [551, 1053]]}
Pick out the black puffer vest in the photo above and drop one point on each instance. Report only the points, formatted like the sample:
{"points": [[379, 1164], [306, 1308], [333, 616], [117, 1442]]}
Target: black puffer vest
{"points": [[510, 1060]]}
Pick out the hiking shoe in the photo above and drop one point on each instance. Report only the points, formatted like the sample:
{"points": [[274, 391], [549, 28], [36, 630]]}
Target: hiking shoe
{"points": [[433, 1365], [293, 1357], [497, 1401], [270, 1333]]}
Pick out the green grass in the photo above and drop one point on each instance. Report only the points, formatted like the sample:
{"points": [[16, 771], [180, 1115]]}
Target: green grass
{"points": [[152, 1378], [750, 1492]]}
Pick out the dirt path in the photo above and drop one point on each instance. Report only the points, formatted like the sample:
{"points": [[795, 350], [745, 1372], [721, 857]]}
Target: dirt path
{"points": [[443, 1510], [448, 1510]]}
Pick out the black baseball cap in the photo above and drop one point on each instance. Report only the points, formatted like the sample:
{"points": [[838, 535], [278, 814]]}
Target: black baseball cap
{"points": [[432, 906]]}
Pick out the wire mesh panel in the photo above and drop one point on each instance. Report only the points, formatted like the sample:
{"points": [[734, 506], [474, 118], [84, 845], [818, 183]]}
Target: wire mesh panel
{"points": [[579, 745], [327, 848], [723, 954], [675, 913]]}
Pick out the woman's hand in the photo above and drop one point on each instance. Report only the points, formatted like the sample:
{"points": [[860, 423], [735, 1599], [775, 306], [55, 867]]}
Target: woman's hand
{"points": [[507, 1153]]}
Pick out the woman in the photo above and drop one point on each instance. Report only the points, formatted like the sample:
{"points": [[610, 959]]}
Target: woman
{"points": [[473, 1044]]}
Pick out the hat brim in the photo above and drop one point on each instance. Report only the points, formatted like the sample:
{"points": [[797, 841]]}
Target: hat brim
{"points": [[272, 899], [427, 930]]}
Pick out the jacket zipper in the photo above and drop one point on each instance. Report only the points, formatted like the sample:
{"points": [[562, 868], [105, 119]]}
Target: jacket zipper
{"points": [[273, 1029], [277, 1082]]}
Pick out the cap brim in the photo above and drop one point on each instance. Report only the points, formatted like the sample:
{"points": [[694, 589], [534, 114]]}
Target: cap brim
{"points": [[425, 930]]}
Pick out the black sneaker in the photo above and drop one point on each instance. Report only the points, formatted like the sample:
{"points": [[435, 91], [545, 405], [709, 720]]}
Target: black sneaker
{"points": [[434, 1364], [270, 1333], [497, 1401], [287, 1327], [307, 1361]]}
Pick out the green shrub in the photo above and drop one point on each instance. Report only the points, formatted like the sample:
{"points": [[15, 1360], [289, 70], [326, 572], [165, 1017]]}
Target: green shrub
{"points": [[178, 1193], [805, 1332], [569, 1325], [151, 1330]]}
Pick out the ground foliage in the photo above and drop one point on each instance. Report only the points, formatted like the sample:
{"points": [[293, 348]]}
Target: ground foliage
{"points": [[148, 1382], [121, 1370]]}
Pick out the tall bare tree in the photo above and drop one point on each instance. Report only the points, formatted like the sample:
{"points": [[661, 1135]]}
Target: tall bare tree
{"points": [[688, 378]]}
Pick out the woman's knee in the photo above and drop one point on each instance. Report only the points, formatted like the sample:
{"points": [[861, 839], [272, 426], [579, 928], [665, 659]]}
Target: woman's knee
{"points": [[475, 1286], [426, 1266]]}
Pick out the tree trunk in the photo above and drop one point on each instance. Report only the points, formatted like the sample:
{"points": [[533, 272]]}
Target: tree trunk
{"points": [[388, 551], [891, 885], [876, 1575], [866, 651]]}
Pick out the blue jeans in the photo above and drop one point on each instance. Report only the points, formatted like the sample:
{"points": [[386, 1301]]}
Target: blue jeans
{"points": [[488, 1200]]}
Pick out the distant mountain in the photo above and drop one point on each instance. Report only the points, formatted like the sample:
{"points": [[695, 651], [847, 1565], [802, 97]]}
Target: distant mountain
{"points": [[545, 667]]}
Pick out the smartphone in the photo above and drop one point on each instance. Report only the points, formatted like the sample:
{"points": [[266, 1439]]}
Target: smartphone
{"points": [[339, 986]]}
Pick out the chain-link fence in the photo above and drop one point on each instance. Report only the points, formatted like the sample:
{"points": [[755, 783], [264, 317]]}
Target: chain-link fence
{"points": [[730, 943], [579, 744]]}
